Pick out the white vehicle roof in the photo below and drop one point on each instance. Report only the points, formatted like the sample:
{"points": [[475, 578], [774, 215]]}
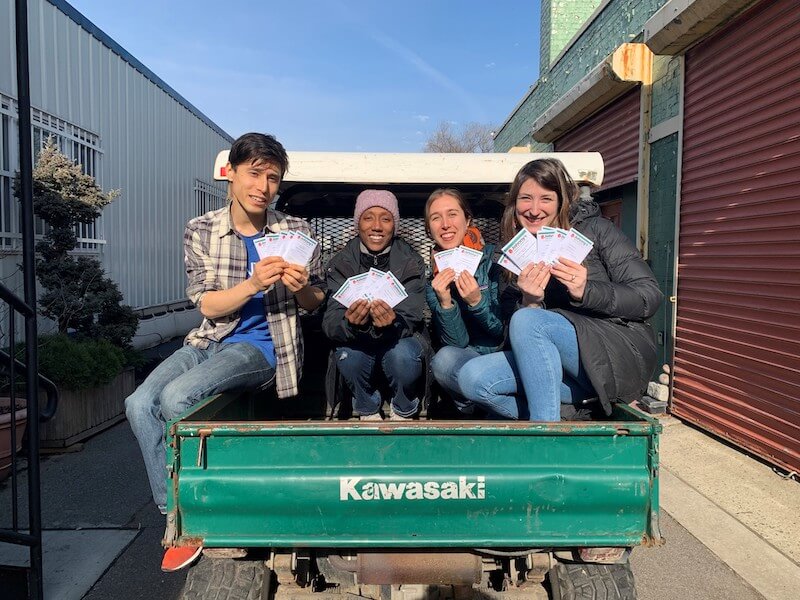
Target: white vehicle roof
{"points": [[386, 168]]}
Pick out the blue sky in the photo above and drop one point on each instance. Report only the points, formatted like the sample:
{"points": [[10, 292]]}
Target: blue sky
{"points": [[348, 75]]}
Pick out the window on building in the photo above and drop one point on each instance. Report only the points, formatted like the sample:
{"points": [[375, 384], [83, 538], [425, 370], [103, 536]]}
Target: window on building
{"points": [[209, 196], [82, 146], [7, 161]]}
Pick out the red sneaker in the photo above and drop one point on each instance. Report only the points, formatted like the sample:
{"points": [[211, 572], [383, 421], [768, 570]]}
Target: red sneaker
{"points": [[179, 556]]}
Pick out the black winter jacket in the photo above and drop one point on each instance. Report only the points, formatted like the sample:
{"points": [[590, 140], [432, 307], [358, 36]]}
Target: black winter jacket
{"points": [[407, 265], [617, 347]]}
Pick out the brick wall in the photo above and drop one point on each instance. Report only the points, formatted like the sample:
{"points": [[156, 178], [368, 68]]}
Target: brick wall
{"points": [[566, 18], [544, 36], [619, 22], [666, 88]]}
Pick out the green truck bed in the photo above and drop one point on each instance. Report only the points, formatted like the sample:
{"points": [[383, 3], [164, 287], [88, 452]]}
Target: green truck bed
{"points": [[239, 482]]}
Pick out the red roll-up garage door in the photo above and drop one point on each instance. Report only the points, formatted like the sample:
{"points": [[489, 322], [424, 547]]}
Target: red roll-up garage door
{"points": [[737, 348], [614, 132]]}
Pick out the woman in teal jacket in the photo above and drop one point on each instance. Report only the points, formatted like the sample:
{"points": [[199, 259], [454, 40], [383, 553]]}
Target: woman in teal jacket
{"points": [[465, 309]]}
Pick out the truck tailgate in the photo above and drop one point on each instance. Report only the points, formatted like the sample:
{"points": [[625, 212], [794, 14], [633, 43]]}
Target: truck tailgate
{"points": [[413, 484]]}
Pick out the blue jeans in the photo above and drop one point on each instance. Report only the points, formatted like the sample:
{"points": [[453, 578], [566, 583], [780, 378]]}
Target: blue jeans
{"points": [[179, 382], [402, 366], [543, 362], [446, 365]]}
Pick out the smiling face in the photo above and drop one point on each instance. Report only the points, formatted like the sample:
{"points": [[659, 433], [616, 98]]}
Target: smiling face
{"points": [[253, 186], [447, 222], [536, 207], [376, 228]]}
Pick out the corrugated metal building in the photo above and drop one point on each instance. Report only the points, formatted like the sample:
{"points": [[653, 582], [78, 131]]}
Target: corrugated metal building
{"points": [[126, 127], [696, 106]]}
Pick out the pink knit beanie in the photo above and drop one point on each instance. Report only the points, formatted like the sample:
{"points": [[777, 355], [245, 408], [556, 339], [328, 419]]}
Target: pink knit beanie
{"points": [[383, 198]]}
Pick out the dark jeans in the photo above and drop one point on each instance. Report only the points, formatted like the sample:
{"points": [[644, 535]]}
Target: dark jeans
{"points": [[401, 365]]}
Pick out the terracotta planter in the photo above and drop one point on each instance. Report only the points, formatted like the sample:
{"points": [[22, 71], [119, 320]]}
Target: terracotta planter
{"points": [[5, 437], [84, 413]]}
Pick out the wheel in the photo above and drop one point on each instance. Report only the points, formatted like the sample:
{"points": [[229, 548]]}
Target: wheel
{"points": [[581, 581], [224, 579]]}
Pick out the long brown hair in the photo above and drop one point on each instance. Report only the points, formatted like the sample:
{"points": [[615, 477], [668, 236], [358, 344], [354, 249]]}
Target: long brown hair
{"points": [[549, 173]]}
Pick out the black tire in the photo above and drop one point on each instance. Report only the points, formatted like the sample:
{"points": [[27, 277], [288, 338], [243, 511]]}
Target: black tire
{"points": [[224, 579], [580, 581]]}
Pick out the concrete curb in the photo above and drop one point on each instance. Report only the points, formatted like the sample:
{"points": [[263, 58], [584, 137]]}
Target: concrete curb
{"points": [[756, 561]]}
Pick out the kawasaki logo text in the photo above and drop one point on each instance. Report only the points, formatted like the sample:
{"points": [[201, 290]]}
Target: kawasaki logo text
{"points": [[464, 488]]}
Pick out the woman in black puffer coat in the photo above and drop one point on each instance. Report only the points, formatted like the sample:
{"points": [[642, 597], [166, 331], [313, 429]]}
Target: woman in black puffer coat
{"points": [[577, 330]]}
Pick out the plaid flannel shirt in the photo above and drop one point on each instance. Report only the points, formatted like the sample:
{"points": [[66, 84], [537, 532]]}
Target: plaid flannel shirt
{"points": [[216, 259]]}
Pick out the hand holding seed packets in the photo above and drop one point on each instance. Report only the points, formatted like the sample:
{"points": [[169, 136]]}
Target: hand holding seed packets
{"points": [[370, 286], [546, 246], [459, 259], [293, 246]]}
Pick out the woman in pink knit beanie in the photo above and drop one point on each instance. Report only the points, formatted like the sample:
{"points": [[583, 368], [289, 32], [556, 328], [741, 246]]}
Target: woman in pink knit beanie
{"points": [[374, 340]]}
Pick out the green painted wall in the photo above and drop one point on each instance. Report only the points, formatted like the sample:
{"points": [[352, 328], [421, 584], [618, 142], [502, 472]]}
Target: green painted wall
{"points": [[544, 35], [661, 233], [663, 182], [619, 22], [666, 88], [561, 20]]}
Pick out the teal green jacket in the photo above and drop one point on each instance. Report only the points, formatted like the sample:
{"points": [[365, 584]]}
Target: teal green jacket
{"points": [[479, 327]]}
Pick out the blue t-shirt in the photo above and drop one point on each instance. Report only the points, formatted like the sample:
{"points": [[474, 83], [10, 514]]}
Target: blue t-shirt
{"points": [[253, 327]]}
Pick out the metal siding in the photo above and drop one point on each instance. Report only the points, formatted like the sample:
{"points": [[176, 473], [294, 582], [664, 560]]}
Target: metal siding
{"points": [[59, 80], [614, 132], [153, 146], [8, 60], [86, 78], [37, 52], [737, 354]]}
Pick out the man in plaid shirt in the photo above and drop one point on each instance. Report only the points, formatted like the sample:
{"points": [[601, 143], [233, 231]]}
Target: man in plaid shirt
{"points": [[250, 335]]}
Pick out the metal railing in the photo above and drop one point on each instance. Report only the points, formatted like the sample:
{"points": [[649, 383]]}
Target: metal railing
{"points": [[32, 535], [11, 368]]}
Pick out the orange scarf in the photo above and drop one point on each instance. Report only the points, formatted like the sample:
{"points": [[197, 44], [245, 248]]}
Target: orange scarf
{"points": [[473, 239]]}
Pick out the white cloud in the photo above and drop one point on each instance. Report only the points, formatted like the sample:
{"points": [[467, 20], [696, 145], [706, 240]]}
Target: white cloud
{"points": [[489, 65], [421, 118]]}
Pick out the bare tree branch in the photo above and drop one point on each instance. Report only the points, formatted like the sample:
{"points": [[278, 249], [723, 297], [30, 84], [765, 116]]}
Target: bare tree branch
{"points": [[473, 137]]}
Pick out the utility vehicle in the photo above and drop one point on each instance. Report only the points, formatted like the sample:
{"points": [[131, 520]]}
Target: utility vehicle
{"points": [[292, 498]]}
